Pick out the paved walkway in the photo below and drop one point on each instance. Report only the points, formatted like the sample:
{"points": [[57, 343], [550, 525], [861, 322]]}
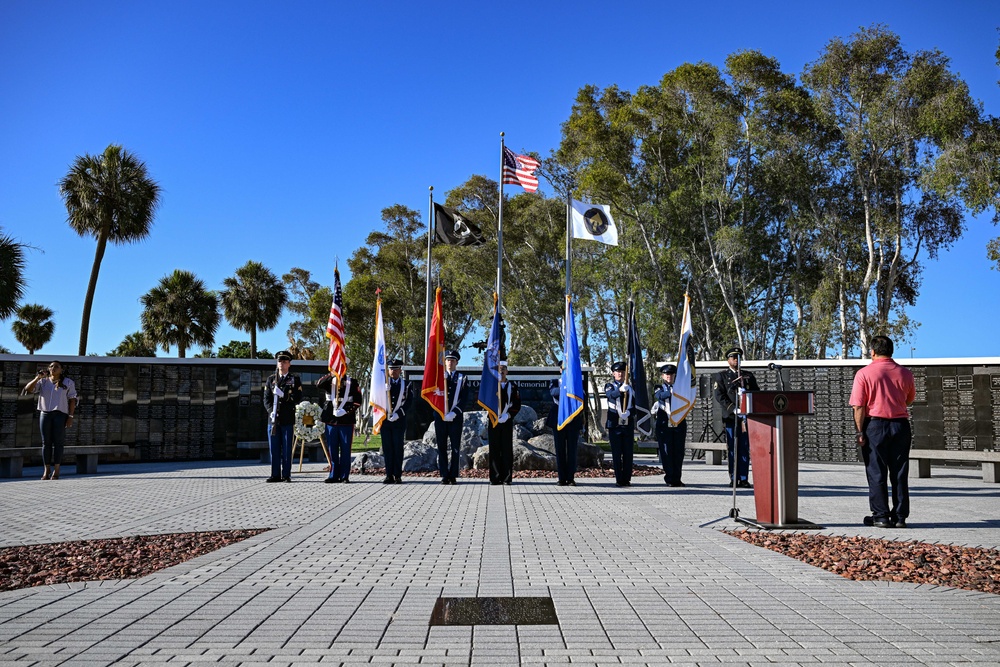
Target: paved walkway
{"points": [[351, 573]]}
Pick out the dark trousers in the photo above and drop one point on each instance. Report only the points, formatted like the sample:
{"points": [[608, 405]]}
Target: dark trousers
{"points": [[448, 433], [501, 439], [53, 427], [566, 440], [742, 454], [392, 447], [339, 439], [622, 441], [887, 461], [671, 441], [280, 443]]}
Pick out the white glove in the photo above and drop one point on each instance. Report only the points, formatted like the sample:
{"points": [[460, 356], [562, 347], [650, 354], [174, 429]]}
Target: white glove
{"points": [[277, 390], [393, 417], [503, 419], [339, 412], [449, 417], [625, 387], [625, 414]]}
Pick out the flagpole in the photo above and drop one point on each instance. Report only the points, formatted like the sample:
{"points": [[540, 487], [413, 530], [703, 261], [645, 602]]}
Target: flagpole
{"points": [[500, 233], [430, 234], [569, 238]]}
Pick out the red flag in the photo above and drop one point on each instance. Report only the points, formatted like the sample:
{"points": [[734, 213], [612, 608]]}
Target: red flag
{"points": [[520, 170], [335, 330], [433, 388]]}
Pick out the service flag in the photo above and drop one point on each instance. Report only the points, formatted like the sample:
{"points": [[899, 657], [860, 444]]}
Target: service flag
{"points": [[683, 396], [378, 394], [593, 222], [433, 388], [337, 362], [489, 386], [637, 378], [520, 170], [453, 228], [571, 383]]}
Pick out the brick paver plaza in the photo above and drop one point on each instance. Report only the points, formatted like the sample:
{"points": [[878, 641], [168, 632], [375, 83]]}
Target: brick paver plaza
{"points": [[351, 573]]}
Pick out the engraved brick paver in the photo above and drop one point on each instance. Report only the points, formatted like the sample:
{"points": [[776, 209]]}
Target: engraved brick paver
{"points": [[350, 573]]}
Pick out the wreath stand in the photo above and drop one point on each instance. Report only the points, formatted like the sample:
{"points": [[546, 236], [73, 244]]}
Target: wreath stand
{"points": [[309, 421]]}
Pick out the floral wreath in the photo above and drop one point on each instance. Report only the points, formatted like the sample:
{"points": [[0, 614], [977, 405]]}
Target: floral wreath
{"points": [[308, 425]]}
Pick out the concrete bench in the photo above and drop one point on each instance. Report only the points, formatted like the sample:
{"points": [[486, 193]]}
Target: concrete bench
{"points": [[12, 460], [713, 450], [989, 460]]}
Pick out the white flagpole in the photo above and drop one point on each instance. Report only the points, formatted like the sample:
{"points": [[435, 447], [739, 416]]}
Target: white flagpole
{"points": [[430, 235], [500, 235]]}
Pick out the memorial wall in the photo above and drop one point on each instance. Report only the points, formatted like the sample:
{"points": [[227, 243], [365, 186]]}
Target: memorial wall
{"points": [[177, 409]]}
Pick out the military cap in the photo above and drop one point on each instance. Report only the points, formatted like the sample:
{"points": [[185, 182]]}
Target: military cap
{"points": [[668, 369], [452, 354], [503, 362], [396, 363], [734, 352], [618, 366], [283, 355]]}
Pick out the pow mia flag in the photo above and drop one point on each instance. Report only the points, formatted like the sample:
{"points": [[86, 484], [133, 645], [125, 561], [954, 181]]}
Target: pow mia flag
{"points": [[593, 222], [453, 228]]}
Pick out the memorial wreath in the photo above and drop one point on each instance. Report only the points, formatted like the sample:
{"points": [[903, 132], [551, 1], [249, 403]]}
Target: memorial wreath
{"points": [[308, 426]]}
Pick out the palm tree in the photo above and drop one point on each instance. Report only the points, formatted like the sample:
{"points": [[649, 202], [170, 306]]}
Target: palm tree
{"points": [[180, 311], [33, 327], [253, 299], [134, 345], [112, 198], [11, 275]]}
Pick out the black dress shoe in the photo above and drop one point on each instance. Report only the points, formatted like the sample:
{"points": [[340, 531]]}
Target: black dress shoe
{"points": [[331, 480], [868, 521], [388, 480], [744, 484], [900, 523], [494, 483], [398, 480], [508, 483], [570, 483], [445, 480], [345, 481], [882, 523], [679, 483], [271, 480], [286, 479]]}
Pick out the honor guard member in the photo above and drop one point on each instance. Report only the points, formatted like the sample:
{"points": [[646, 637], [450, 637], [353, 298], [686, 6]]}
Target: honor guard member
{"points": [[501, 436], [620, 424], [670, 439], [565, 439], [343, 398], [394, 427], [282, 392], [728, 384], [448, 430]]}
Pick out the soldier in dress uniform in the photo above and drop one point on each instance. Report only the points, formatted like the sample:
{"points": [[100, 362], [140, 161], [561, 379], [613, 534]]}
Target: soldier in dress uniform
{"points": [[728, 383], [565, 439], [281, 415], [671, 439], [394, 427], [448, 430], [620, 424], [343, 398], [501, 436]]}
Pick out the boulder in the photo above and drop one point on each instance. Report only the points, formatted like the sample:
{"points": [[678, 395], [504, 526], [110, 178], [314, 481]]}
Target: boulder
{"points": [[527, 457], [481, 459], [526, 415], [367, 460], [546, 443], [589, 456], [522, 432], [539, 427], [418, 456]]}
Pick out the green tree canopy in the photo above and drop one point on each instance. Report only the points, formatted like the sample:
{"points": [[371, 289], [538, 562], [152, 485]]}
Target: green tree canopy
{"points": [[134, 345], [180, 311], [253, 299], [33, 326]]}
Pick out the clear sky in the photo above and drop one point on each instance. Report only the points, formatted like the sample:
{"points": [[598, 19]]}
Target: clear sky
{"points": [[279, 131]]}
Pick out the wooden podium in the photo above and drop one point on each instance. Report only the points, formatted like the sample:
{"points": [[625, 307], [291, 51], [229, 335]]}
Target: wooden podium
{"points": [[773, 430]]}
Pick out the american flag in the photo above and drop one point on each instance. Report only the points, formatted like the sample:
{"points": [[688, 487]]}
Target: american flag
{"points": [[520, 170], [335, 330]]}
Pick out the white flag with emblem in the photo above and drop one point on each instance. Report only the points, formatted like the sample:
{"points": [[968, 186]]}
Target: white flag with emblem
{"points": [[378, 395], [593, 222], [684, 394]]}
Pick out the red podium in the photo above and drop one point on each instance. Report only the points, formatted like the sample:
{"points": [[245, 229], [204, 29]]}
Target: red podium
{"points": [[773, 429]]}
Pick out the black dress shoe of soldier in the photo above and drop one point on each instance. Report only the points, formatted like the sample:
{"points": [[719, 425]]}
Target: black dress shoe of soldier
{"points": [[331, 480], [882, 523], [271, 480]]}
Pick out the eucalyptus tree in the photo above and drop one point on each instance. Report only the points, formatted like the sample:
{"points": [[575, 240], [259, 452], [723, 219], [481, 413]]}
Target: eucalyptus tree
{"points": [[12, 267], [112, 198], [134, 344], [252, 300], [33, 326], [180, 311]]}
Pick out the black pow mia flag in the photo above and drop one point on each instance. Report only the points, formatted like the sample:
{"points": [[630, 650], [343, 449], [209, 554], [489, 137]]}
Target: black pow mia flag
{"points": [[453, 228]]}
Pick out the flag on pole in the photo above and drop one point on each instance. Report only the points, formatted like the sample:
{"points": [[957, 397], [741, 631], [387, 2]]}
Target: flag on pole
{"points": [[520, 170], [433, 388], [593, 222], [378, 394], [637, 377], [453, 228], [571, 383], [489, 386], [683, 396], [337, 362]]}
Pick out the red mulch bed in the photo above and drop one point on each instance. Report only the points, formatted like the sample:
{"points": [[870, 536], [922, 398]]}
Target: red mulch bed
{"points": [[121, 558], [867, 559]]}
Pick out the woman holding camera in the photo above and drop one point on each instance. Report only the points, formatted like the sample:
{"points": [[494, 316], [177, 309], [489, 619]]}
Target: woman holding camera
{"points": [[57, 402]]}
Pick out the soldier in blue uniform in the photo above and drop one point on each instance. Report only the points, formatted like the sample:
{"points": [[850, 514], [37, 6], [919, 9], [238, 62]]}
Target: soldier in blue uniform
{"points": [[281, 416], [394, 427], [728, 383], [620, 424], [448, 430], [501, 436], [671, 439], [339, 415], [565, 439]]}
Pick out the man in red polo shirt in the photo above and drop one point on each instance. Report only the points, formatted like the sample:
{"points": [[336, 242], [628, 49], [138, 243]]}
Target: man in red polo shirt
{"points": [[881, 393]]}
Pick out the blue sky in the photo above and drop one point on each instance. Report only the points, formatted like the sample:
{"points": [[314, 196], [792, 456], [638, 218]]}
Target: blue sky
{"points": [[279, 131]]}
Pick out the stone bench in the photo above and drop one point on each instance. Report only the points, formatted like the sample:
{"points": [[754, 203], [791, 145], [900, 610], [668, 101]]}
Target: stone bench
{"points": [[12, 459], [989, 460], [713, 450]]}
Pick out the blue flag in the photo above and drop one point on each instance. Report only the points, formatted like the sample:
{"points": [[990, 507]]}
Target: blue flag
{"points": [[637, 377], [571, 383], [489, 386]]}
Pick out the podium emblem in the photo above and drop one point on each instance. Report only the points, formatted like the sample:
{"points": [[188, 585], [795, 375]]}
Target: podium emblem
{"points": [[780, 403]]}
